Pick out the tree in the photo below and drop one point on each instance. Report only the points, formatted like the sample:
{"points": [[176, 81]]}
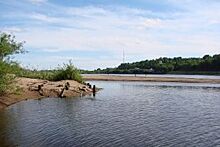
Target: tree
{"points": [[207, 64], [9, 46]]}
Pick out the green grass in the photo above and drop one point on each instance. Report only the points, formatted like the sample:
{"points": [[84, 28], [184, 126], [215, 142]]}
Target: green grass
{"points": [[9, 71], [6, 78], [67, 72]]}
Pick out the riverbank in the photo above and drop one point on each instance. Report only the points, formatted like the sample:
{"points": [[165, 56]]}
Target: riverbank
{"points": [[217, 73], [37, 89], [149, 79]]}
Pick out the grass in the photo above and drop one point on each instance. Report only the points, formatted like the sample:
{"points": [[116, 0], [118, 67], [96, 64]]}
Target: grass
{"points": [[67, 72], [9, 71], [6, 78]]}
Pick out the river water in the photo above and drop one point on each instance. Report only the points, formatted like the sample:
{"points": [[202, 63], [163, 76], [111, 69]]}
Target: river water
{"points": [[122, 114]]}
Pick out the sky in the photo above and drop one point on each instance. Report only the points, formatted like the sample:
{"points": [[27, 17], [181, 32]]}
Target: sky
{"points": [[94, 33]]}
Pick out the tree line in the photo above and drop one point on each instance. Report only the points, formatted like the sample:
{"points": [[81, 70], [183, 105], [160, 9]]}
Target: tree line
{"points": [[205, 65]]}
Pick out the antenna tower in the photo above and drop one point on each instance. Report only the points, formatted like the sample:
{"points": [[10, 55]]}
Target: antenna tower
{"points": [[123, 56]]}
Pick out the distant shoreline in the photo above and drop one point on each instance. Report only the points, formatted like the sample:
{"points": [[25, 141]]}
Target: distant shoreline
{"points": [[149, 79], [208, 73]]}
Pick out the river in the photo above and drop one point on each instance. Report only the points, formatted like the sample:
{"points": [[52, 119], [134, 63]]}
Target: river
{"points": [[122, 114]]}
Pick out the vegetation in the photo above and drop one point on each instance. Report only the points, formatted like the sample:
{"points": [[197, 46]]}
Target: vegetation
{"points": [[67, 72], [8, 47], [205, 65], [10, 69]]}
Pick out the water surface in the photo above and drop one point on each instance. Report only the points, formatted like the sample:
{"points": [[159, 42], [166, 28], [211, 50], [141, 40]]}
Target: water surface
{"points": [[122, 114]]}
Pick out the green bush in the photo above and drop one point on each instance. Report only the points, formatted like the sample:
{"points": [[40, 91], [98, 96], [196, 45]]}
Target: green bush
{"points": [[8, 47], [6, 84], [6, 79], [68, 72]]}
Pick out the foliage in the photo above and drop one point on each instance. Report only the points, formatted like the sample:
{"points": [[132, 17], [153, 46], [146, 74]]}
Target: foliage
{"points": [[42, 74], [6, 84], [67, 72], [8, 46], [208, 64]]}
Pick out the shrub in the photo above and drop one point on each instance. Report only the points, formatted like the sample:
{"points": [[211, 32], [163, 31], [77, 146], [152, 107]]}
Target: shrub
{"points": [[67, 72], [8, 47], [6, 79], [6, 84]]}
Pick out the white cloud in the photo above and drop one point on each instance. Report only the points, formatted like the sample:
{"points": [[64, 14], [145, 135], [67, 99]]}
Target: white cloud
{"points": [[12, 29], [37, 1], [142, 33], [152, 23], [43, 18]]}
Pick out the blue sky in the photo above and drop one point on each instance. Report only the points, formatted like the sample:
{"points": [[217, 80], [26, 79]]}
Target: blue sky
{"points": [[93, 33]]}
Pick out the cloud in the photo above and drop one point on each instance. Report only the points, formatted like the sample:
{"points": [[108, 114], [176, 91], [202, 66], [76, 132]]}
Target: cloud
{"points": [[142, 33], [37, 1], [152, 23], [43, 18], [12, 29]]}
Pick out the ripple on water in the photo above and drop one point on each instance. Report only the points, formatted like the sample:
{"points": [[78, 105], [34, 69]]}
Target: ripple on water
{"points": [[123, 114]]}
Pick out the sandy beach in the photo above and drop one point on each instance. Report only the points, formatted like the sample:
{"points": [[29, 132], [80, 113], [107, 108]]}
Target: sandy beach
{"points": [[149, 79], [29, 89]]}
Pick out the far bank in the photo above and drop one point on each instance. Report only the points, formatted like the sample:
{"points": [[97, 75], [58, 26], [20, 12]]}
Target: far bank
{"points": [[147, 78]]}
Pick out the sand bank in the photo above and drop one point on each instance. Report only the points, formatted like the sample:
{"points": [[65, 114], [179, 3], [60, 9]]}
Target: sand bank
{"points": [[148, 79], [29, 89]]}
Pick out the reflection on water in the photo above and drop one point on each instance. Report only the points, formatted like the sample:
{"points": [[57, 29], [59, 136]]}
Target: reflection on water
{"points": [[3, 132], [122, 114]]}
